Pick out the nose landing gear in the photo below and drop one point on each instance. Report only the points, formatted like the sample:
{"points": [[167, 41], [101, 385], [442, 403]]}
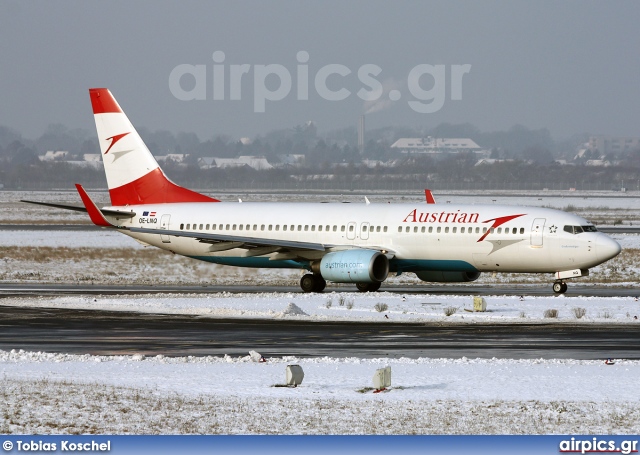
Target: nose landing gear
{"points": [[560, 287]]}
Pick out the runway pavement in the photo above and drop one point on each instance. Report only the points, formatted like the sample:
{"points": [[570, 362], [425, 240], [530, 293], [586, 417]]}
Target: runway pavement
{"points": [[26, 289], [113, 333]]}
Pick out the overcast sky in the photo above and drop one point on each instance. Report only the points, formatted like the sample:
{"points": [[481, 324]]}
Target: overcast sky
{"points": [[571, 66]]}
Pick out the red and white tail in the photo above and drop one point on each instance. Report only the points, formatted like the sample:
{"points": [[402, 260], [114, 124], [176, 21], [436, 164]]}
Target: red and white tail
{"points": [[133, 174]]}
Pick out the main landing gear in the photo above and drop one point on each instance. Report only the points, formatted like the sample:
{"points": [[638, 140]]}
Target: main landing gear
{"points": [[368, 287], [312, 283], [560, 287]]}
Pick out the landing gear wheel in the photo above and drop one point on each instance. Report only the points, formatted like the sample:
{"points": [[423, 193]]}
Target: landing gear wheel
{"points": [[308, 283], [312, 283], [368, 287], [321, 283], [560, 287]]}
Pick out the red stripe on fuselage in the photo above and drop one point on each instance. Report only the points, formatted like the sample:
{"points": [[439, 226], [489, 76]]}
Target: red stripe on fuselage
{"points": [[154, 188], [102, 102]]}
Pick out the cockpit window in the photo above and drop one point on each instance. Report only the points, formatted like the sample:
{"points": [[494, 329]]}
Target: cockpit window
{"points": [[579, 229]]}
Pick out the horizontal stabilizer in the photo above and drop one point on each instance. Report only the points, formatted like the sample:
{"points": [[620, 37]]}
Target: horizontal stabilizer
{"points": [[79, 208]]}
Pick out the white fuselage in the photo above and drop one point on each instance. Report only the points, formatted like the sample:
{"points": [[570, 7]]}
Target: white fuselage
{"points": [[416, 237]]}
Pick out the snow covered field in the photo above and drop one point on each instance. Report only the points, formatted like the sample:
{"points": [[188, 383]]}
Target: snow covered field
{"points": [[59, 393]]}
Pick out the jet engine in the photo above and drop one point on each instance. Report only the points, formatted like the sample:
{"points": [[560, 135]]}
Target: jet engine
{"points": [[353, 266], [448, 277]]}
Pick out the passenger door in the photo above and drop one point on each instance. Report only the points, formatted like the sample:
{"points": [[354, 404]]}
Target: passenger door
{"points": [[537, 229]]}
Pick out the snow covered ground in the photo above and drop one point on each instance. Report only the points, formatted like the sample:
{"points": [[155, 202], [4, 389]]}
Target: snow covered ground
{"points": [[61, 393]]}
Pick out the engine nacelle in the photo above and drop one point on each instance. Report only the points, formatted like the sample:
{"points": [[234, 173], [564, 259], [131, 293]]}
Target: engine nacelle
{"points": [[354, 266], [448, 277]]}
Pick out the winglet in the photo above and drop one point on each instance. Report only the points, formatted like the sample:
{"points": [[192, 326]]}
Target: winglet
{"points": [[429, 196], [94, 212]]}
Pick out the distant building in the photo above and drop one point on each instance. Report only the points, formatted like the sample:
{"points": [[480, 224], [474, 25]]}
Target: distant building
{"points": [[92, 157], [612, 144], [51, 155], [482, 161], [258, 163], [292, 160], [437, 146]]}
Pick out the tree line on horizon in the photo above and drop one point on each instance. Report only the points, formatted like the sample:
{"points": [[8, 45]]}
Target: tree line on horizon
{"points": [[332, 160]]}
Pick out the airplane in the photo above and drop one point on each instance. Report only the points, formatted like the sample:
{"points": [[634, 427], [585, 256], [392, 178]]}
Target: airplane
{"points": [[353, 243]]}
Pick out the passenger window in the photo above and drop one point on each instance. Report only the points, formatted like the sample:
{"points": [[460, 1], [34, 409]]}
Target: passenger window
{"points": [[521, 230], [514, 231], [320, 228], [407, 229], [399, 228], [478, 230], [439, 230], [484, 230], [454, 230], [181, 226], [351, 228], [335, 228], [461, 230], [284, 227], [240, 227], [385, 229], [262, 227], [270, 227], [207, 228], [342, 229], [313, 227], [299, 227], [499, 230], [430, 229], [423, 229], [378, 229], [255, 227], [446, 230], [234, 227], [306, 227], [364, 228], [213, 227], [277, 227], [293, 228]]}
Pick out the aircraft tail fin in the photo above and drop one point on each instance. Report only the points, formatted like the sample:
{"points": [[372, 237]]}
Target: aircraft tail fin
{"points": [[133, 174]]}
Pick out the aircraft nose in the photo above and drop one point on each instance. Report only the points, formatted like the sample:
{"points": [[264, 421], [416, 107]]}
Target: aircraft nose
{"points": [[607, 248]]}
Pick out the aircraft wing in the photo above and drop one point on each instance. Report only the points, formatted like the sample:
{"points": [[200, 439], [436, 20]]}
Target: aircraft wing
{"points": [[260, 246], [247, 242]]}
